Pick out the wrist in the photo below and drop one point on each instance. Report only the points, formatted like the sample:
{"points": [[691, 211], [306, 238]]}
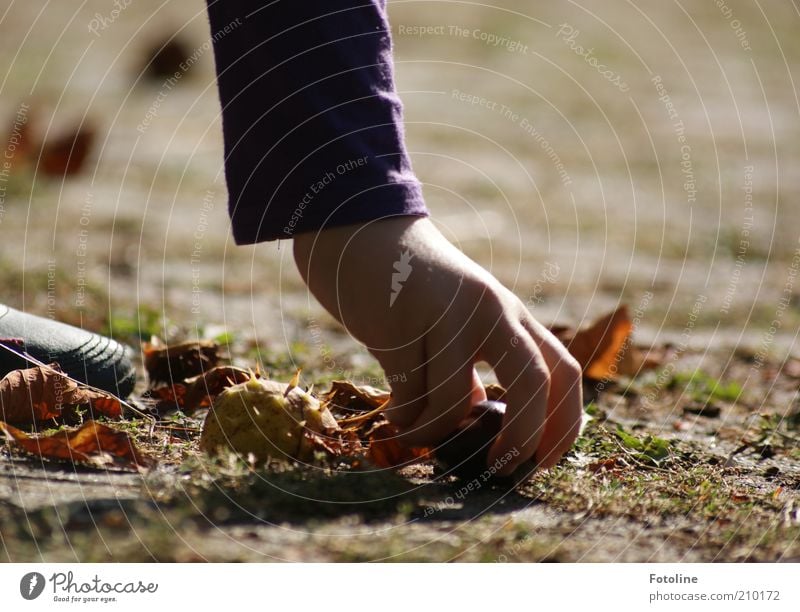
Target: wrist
{"points": [[380, 232]]}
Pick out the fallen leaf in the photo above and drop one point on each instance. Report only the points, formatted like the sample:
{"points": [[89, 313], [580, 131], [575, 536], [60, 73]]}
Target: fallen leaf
{"points": [[167, 398], [386, 451], [633, 360], [351, 445], [60, 155], [615, 463], [352, 400], [598, 346], [19, 142], [330, 445], [93, 444], [67, 153], [173, 364], [196, 392], [33, 395], [202, 389]]}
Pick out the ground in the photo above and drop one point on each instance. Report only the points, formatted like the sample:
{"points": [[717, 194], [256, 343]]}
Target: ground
{"points": [[587, 156]]}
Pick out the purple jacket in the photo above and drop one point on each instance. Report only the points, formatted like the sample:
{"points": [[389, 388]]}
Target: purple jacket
{"points": [[312, 124]]}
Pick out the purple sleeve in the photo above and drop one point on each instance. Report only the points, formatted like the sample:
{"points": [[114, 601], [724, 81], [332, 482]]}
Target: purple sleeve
{"points": [[312, 124]]}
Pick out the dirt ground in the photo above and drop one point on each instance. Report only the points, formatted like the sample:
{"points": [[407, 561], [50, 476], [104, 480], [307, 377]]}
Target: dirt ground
{"points": [[589, 156]]}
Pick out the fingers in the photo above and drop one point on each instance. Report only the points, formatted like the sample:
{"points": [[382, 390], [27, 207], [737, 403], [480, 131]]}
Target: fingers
{"points": [[405, 369], [522, 370], [565, 402], [543, 382], [452, 384]]}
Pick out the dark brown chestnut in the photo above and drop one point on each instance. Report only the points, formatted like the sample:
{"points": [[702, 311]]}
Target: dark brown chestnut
{"points": [[464, 453]]}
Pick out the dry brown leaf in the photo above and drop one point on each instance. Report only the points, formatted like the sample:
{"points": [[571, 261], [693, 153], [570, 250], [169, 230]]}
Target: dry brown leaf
{"points": [[351, 443], [635, 359], [347, 396], [328, 444], [196, 392], [386, 451], [93, 444], [20, 146], [63, 154], [201, 390], [614, 463], [347, 400], [167, 398], [598, 346], [66, 154], [33, 395], [173, 364]]}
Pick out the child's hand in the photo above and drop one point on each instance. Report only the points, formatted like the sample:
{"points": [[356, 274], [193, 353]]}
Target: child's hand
{"points": [[427, 313]]}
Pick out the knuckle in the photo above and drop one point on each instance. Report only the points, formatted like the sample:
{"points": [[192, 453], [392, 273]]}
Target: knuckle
{"points": [[492, 304], [571, 367], [539, 371]]}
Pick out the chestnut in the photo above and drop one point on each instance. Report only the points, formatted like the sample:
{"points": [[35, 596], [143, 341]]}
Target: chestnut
{"points": [[464, 453]]}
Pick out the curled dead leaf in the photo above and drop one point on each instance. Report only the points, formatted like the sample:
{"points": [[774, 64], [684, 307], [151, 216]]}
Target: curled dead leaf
{"points": [[386, 451], [92, 444], [33, 395], [173, 364], [196, 392], [351, 399], [202, 389], [166, 398], [66, 154]]}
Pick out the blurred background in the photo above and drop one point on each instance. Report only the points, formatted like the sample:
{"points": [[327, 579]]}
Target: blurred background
{"points": [[589, 154]]}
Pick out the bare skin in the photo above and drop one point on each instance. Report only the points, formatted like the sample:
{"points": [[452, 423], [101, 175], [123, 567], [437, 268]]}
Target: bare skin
{"points": [[448, 314]]}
